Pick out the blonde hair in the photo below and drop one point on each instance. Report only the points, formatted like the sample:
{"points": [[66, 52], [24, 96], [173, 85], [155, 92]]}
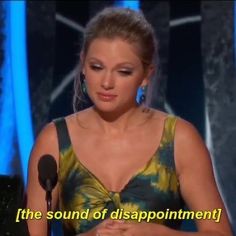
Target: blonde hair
{"points": [[115, 22]]}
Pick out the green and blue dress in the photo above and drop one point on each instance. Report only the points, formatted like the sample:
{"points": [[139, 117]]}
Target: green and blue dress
{"points": [[153, 188]]}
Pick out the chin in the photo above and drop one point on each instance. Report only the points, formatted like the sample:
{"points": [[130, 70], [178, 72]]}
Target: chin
{"points": [[105, 107]]}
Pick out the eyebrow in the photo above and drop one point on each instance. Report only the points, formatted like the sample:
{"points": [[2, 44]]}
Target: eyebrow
{"points": [[119, 64]]}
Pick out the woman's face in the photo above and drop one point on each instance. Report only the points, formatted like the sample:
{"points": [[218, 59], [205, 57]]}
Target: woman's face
{"points": [[113, 72]]}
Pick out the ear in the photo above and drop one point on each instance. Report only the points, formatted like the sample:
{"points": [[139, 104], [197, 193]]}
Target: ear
{"points": [[144, 83], [148, 74]]}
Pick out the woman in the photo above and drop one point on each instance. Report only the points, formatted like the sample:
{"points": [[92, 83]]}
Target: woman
{"points": [[118, 154]]}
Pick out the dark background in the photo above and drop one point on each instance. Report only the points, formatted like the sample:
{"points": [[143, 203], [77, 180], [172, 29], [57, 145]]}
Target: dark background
{"points": [[195, 78]]}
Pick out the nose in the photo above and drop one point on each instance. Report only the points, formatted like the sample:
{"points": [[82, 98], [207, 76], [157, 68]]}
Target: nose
{"points": [[107, 81]]}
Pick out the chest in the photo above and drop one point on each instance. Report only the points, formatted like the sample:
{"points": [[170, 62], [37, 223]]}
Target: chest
{"points": [[129, 149], [114, 161]]}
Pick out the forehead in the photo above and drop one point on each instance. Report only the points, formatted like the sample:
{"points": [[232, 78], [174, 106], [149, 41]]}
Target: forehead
{"points": [[113, 50]]}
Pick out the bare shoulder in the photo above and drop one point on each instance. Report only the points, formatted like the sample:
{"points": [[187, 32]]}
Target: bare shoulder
{"points": [[48, 132], [186, 135], [46, 143], [183, 127], [190, 148], [186, 130]]}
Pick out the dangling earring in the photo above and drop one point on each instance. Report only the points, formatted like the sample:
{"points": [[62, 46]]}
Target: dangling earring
{"points": [[143, 95], [86, 101], [83, 84]]}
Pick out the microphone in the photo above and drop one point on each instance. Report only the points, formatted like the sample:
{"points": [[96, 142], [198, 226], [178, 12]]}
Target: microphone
{"points": [[47, 175], [47, 172]]}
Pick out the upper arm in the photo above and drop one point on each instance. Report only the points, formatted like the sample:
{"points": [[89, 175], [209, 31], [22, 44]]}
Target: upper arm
{"points": [[197, 182], [46, 143]]}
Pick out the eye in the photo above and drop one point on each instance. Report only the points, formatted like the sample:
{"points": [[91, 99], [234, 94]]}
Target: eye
{"points": [[96, 67], [125, 72]]}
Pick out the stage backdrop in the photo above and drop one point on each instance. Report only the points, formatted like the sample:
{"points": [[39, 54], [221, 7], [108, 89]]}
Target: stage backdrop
{"points": [[195, 73]]}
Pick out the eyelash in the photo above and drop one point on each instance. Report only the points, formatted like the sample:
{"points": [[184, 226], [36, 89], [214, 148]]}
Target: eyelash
{"points": [[95, 68], [122, 72], [125, 73]]}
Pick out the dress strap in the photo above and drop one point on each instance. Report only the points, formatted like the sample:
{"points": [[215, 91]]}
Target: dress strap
{"points": [[167, 142], [169, 130], [64, 140]]}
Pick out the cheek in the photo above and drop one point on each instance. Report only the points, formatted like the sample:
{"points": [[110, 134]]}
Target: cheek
{"points": [[132, 84], [92, 80], [91, 86], [129, 87], [129, 90]]}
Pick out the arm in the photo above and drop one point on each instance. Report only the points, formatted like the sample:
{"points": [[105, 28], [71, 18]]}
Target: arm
{"points": [[197, 183], [46, 143]]}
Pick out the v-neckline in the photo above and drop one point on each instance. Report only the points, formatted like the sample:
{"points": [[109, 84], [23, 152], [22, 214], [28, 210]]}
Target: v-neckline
{"points": [[133, 176]]}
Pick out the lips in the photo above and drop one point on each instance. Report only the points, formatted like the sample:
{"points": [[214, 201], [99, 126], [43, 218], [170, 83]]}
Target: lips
{"points": [[106, 96]]}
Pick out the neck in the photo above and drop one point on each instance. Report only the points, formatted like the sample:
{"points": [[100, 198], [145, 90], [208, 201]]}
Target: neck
{"points": [[120, 121]]}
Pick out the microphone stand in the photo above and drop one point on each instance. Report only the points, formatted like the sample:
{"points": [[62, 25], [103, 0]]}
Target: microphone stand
{"points": [[47, 176], [49, 203]]}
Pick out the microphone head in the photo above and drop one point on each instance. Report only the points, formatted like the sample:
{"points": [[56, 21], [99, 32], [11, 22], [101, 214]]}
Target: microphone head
{"points": [[47, 172]]}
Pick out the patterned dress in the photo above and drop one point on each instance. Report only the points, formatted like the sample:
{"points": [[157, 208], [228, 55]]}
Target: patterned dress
{"points": [[154, 187]]}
